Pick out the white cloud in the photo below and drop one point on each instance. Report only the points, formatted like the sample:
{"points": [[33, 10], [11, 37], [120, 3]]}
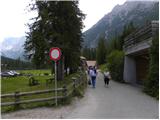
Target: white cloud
{"points": [[13, 18]]}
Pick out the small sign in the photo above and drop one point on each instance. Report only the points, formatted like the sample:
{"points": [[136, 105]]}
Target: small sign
{"points": [[55, 53]]}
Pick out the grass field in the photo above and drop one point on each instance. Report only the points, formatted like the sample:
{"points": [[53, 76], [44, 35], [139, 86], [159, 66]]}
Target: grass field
{"points": [[35, 72], [21, 84]]}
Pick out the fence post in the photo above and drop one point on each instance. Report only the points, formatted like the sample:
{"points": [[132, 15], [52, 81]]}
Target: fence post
{"points": [[65, 91], [17, 99]]}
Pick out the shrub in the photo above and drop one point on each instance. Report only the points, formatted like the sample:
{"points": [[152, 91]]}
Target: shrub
{"points": [[151, 85], [115, 63], [103, 67]]}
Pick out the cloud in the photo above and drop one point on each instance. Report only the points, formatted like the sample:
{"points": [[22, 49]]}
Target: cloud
{"points": [[13, 18]]}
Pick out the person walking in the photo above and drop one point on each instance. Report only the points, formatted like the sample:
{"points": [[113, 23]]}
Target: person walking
{"points": [[106, 78], [89, 74], [93, 74]]}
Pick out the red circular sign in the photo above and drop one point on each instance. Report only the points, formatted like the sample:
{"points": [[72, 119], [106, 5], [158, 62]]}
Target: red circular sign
{"points": [[55, 53]]}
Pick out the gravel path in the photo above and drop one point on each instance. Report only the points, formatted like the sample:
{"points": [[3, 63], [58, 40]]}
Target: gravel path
{"points": [[116, 101]]}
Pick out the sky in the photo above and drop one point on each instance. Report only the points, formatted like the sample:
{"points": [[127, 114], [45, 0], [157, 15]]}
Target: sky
{"points": [[14, 15], [96, 9]]}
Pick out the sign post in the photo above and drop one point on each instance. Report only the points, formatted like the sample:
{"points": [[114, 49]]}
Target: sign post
{"points": [[55, 55], [55, 75]]}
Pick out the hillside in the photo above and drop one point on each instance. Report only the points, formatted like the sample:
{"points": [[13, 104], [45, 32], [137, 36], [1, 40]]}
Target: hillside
{"points": [[138, 12]]}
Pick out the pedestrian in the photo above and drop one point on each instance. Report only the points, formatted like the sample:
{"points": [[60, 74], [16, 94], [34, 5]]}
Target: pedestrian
{"points": [[93, 74], [90, 77], [106, 78]]}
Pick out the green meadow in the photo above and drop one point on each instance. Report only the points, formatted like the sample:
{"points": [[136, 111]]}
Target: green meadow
{"points": [[21, 84]]}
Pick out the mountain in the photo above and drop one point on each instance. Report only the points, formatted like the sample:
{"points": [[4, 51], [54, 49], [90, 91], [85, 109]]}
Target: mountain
{"points": [[138, 12], [13, 47]]}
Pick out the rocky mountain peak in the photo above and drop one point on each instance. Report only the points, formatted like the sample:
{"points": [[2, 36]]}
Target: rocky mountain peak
{"points": [[137, 12]]}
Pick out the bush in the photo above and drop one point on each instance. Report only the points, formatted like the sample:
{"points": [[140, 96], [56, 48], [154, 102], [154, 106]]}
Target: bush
{"points": [[103, 67], [115, 63], [151, 85]]}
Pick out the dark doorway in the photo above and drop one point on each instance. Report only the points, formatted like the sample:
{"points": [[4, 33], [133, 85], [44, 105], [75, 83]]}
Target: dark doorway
{"points": [[142, 67]]}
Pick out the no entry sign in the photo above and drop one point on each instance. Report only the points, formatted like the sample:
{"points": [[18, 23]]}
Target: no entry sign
{"points": [[55, 53]]}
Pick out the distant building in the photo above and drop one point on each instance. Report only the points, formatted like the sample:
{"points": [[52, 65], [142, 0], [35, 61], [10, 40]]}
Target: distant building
{"points": [[91, 63]]}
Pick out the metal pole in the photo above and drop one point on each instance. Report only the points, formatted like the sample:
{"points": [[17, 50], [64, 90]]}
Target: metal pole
{"points": [[56, 81]]}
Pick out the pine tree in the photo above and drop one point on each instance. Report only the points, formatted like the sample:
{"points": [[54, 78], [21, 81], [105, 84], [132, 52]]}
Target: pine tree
{"points": [[101, 51], [89, 53], [59, 24], [117, 42]]}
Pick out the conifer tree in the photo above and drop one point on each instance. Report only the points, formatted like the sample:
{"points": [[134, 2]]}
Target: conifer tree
{"points": [[58, 24], [101, 51]]}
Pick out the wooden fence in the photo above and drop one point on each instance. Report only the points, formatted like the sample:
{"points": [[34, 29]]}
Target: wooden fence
{"points": [[66, 90]]}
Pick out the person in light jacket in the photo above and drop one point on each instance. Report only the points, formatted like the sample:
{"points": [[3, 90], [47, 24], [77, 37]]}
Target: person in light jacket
{"points": [[93, 74], [106, 78]]}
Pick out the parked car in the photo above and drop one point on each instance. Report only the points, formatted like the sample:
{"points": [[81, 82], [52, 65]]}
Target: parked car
{"points": [[9, 74], [12, 74], [5, 74], [15, 73]]}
